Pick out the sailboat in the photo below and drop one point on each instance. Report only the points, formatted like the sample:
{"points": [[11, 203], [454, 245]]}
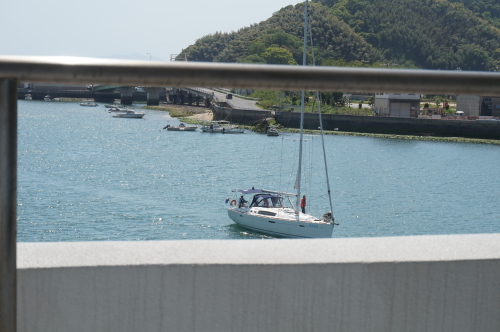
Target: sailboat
{"points": [[268, 212]]}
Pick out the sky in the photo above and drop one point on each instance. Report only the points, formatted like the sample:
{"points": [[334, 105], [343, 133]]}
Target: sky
{"points": [[142, 29]]}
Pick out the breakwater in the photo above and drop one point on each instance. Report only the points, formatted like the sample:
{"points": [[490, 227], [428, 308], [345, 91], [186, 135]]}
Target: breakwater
{"points": [[483, 129]]}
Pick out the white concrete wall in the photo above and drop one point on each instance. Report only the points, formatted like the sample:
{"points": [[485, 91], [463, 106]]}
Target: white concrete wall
{"points": [[382, 105], [426, 283], [470, 105]]}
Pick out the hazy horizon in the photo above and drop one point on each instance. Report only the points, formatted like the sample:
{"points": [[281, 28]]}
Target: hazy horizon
{"points": [[121, 29]]}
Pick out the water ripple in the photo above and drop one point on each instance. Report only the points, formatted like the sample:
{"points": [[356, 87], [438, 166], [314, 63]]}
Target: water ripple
{"points": [[86, 176]]}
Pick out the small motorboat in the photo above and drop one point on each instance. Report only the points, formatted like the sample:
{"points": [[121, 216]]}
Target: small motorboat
{"points": [[272, 131], [47, 98], [181, 127], [28, 97], [129, 114], [114, 105], [118, 109], [222, 126], [89, 104]]}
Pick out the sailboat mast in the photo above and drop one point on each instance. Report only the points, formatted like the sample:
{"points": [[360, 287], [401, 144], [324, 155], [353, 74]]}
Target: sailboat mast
{"points": [[321, 130], [299, 171]]}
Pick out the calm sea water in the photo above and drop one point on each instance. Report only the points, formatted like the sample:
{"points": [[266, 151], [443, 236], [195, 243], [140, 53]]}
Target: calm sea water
{"points": [[86, 176]]}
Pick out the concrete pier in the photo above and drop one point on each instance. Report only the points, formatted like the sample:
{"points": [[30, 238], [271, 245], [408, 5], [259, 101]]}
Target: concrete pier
{"points": [[126, 94], [153, 95]]}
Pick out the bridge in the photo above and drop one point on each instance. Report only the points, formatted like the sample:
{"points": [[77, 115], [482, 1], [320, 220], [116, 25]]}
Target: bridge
{"points": [[221, 97], [127, 93], [152, 95]]}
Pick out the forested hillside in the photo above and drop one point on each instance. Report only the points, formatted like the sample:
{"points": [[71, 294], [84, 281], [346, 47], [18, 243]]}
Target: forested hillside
{"points": [[433, 34], [486, 9]]}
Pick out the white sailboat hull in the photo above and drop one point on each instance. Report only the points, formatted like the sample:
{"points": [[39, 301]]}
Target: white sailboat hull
{"points": [[280, 226]]}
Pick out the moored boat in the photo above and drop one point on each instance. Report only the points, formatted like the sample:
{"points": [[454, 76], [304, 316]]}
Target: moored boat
{"points": [[28, 97], [181, 127], [272, 131], [89, 104], [223, 127], [129, 114], [114, 105], [118, 109], [47, 98]]}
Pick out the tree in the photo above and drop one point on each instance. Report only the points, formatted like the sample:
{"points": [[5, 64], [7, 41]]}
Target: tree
{"points": [[254, 58], [371, 100], [278, 56], [256, 48], [437, 100]]}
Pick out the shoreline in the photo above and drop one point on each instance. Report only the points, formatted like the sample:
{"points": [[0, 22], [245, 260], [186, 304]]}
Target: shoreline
{"points": [[404, 137], [194, 115]]}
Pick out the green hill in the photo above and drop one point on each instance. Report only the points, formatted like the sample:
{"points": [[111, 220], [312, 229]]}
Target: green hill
{"points": [[432, 34], [488, 10]]}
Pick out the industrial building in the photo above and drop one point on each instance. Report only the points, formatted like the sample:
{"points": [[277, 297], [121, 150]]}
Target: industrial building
{"points": [[469, 105], [397, 104], [479, 105]]}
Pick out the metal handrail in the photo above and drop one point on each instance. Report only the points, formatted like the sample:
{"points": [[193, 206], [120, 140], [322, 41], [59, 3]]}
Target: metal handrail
{"points": [[15, 69], [274, 77], [8, 204]]}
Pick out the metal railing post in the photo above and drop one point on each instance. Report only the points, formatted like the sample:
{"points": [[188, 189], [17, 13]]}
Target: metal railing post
{"points": [[8, 204]]}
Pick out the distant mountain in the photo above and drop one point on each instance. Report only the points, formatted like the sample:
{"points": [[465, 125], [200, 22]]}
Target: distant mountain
{"points": [[433, 34]]}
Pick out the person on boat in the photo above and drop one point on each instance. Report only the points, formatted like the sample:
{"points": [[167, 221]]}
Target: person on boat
{"points": [[265, 202], [327, 216], [303, 204], [242, 201]]}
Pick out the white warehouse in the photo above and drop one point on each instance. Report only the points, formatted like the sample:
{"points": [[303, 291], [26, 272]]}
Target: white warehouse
{"points": [[397, 104]]}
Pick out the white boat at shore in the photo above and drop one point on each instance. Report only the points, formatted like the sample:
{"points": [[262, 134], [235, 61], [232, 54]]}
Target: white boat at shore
{"points": [[272, 131], [221, 126], [28, 97], [181, 127], [129, 114], [47, 98], [118, 109], [89, 104]]}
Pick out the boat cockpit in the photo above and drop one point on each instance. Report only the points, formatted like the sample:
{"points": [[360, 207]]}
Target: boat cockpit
{"points": [[267, 201]]}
